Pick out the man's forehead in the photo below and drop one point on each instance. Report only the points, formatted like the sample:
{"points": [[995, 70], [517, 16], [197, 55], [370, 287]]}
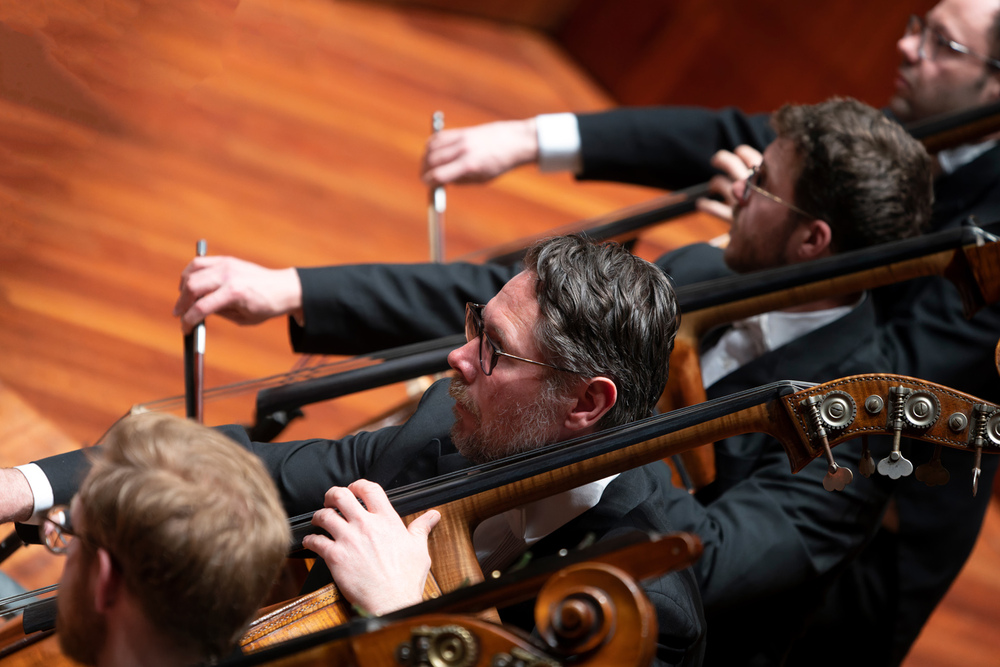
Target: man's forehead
{"points": [[965, 21], [779, 159], [515, 307], [517, 291]]}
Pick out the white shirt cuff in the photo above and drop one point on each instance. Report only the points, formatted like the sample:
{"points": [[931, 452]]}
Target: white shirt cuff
{"points": [[41, 490], [558, 142]]}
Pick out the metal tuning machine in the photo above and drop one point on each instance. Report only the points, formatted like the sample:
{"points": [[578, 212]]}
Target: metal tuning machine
{"points": [[831, 412], [985, 427], [895, 465], [933, 473]]}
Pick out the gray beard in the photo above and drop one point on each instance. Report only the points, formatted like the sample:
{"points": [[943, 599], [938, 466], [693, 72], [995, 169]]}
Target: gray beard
{"points": [[517, 427]]}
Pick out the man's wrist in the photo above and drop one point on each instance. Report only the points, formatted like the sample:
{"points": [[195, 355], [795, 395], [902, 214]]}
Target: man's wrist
{"points": [[25, 494]]}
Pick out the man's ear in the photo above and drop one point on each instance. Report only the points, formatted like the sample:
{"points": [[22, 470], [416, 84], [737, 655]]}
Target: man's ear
{"points": [[108, 583], [593, 400], [810, 240]]}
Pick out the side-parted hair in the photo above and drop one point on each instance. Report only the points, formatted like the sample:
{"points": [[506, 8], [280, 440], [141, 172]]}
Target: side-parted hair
{"points": [[859, 171], [194, 523], [605, 312]]}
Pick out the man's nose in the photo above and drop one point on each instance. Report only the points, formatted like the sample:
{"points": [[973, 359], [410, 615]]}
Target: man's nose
{"points": [[909, 47], [465, 360]]}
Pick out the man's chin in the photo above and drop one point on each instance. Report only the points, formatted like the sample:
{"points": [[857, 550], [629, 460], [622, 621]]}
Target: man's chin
{"points": [[731, 258], [459, 434], [469, 447], [901, 108]]}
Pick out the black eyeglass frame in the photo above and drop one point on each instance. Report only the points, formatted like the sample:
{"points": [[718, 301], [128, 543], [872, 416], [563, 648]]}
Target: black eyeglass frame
{"points": [[57, 530], [918, 25], [475, 327]]}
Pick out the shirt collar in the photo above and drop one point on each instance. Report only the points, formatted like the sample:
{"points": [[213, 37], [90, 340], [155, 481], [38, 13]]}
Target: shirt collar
{"points": [[952, 159]]}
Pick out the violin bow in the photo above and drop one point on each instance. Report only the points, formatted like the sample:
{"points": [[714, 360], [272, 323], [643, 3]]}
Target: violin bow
{"points": [[436, 205], [194, 363]]}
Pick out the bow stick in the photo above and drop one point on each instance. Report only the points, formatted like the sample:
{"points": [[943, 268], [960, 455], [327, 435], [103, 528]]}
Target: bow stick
{"points": [[194, 363]]}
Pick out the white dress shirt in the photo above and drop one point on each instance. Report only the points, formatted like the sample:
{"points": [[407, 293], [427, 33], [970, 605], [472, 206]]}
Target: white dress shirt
{"points": [[755, 336]]}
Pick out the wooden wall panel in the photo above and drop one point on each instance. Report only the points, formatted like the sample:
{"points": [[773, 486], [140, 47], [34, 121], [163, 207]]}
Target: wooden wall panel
{"points": [[756, 55], [545, 15]]}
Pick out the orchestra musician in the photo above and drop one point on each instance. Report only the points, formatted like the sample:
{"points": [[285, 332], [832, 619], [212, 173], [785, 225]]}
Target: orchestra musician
{"points": [[841, 176], [172, 542], [577, 342]]}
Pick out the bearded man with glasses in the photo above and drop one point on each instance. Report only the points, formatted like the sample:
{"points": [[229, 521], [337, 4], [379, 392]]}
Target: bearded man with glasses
{"points": [[577, 342]]}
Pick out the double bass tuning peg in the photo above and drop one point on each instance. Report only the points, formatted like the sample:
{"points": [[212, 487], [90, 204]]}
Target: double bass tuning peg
{"points": [[933, 473], [907, 409], [834, 411], [867, 464]]}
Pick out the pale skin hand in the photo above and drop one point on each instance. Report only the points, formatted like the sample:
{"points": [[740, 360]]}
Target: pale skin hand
{"points": [[16, 500], [379, 563], [479, 153], [736, 166], [240, 291]]}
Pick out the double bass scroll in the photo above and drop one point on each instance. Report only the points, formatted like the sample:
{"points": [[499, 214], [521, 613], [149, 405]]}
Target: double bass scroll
{"points": [[589, 609]]}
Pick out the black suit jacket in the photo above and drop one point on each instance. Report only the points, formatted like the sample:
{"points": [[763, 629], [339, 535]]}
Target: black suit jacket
{"points": [[775, 540]]}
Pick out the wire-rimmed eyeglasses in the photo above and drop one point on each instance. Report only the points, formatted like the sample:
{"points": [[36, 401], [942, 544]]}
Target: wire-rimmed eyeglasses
{"points": [[751, 184], [489, 351], [57, 530], [932, 42]]}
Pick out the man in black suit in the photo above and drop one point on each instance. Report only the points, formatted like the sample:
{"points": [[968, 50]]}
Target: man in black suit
{"points": [[770, 537], [577, 342]]}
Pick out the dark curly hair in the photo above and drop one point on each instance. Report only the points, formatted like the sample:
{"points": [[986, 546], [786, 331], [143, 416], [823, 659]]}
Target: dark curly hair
{"points": [[605, 312], [859, 171]]}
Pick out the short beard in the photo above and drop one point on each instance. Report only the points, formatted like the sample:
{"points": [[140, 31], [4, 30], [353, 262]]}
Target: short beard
{"points": [[81, 630], [753, 258], [517, 427]]}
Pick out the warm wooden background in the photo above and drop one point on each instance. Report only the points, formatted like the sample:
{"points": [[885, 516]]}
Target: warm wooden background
{"points": [[289, 132], [757, 55]]}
